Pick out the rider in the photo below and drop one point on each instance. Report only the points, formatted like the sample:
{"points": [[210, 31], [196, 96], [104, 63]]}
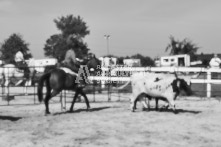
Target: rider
{"points": [[21, 64], [70, 60]]}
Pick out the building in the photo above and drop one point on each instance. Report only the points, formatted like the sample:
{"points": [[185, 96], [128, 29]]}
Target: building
{"points": [[175, 60], [41, 63], [132, 62], [108, 61]]}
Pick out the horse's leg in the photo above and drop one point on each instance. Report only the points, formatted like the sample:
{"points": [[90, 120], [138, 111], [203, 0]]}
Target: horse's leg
{"points": [[74, 99], [85, 98], [47, 98], [32, 76], [6, 84], [156, 100], [25, 90]]}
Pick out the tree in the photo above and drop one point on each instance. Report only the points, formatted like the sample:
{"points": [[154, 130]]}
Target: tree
{"points": [[13, 44], [120, 60], [145, 61], [185, 46], [73, 30]]}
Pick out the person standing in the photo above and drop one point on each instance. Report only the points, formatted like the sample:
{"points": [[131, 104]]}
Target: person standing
{"points": [[215, 61]]}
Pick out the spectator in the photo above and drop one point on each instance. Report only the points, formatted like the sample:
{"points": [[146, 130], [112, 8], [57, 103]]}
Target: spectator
{"points": [[215, 62]]}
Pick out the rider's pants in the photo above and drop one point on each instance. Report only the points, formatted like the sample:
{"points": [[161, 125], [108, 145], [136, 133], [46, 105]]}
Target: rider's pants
{"points": [[23, 66]]}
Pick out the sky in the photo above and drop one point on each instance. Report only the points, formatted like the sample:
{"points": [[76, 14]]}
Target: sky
{"points": [[134, 26]]}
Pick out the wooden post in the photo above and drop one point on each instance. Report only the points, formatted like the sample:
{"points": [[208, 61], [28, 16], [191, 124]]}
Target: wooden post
{"points": [[208, 86]]}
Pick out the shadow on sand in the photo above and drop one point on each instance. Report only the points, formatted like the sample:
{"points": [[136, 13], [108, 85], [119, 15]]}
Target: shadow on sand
{"points": [[11, 118], [171, 111], [83, 110]]}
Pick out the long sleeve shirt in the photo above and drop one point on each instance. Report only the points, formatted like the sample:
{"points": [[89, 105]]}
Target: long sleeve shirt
{"points": [[215, 62]]}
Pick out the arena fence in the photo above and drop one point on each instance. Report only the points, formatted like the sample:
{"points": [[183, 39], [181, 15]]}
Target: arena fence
{"points": [[209, 76], [207, 84]]}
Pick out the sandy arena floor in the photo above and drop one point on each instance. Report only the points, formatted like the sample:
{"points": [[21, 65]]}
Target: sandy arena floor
{"points": [[111, 124]]}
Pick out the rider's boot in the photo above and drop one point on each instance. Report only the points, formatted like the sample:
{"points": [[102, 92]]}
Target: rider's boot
{"points": [[27, 78]]}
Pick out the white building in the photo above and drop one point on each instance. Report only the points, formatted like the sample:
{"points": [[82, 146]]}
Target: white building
{"points": [[132, 62], [41, 63], [108, 61], [176, 60]]}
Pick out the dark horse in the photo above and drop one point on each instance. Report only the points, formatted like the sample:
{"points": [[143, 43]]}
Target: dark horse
{"points": [[57, 80]]}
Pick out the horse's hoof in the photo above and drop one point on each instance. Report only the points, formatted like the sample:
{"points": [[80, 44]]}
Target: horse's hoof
{"points": [[47, 113], [161, 109], [175, 112], [166, 107]]}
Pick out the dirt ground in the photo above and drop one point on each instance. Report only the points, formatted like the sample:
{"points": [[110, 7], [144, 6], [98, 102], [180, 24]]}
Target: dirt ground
{"points": [[112, 124]]}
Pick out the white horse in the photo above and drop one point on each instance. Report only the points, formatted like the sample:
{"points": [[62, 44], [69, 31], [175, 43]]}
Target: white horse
{"points": [[9, 71]]}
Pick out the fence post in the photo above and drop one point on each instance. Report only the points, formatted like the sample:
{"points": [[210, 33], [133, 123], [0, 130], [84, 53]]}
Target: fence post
{"points": [[208, 86], [34, 93], [109, 82], [94, 89]]}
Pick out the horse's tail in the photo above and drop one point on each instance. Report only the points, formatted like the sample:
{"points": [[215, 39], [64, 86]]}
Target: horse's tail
{"points": [[41, 84]]}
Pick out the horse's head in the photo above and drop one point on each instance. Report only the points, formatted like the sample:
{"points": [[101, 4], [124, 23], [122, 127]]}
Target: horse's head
{"points": [[93, 64]]}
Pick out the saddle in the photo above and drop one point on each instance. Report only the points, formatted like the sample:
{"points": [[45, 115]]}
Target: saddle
{"points": [[69, 71]]}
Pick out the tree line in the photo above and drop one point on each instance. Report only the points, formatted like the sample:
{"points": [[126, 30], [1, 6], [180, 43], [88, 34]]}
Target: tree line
{"points": [[72, 31]]}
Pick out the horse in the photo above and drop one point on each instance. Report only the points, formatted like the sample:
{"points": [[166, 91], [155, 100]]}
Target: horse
{"points": [[57, 80], [9, 71]]}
